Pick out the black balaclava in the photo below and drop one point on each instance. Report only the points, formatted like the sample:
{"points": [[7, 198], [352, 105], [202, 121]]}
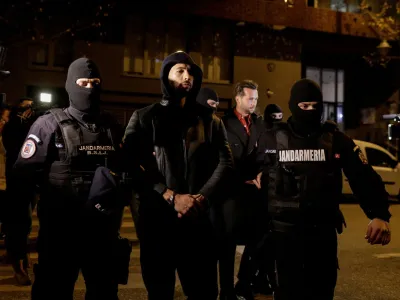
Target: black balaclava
{"points": [[305, 121], [269, 110], [85, 100], [172, 96], [203, 96]]}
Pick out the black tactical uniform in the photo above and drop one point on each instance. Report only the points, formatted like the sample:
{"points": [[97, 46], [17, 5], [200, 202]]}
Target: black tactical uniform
{"points": [[302, 181], [62, 152]]}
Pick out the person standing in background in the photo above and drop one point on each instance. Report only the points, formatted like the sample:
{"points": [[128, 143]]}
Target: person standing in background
{"points": [[15, 132]]}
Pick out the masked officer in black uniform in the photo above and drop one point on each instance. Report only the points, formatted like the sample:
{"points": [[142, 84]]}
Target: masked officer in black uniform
{"points": [[262, 273], [183, 154], [61, 154], [272, 114], [303, 182]]}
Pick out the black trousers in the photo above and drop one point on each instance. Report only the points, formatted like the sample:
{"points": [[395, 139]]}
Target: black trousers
{"points": [[17, 215], [221, 215], [257, 265], [69, 241], [169, 245], [306, 263], [226, 265]]}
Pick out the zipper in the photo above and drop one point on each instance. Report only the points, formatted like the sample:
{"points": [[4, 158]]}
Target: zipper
{"points": [[185, 157]]}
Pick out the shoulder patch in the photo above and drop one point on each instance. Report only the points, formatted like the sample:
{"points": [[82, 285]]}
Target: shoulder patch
{"points": [[35, 138], [28, 149]]}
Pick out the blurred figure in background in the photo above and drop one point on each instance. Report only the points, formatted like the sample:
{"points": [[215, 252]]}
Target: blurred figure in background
{"points": [[272, 114], [21, 118], [209, 101]]}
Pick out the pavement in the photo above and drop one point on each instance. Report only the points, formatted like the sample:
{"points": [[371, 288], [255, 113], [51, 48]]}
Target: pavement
{"points": [[366, 272]]}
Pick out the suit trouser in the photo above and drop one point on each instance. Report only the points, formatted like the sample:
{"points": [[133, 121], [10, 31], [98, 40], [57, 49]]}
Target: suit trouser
{"points": [[169, 244], [306, 263]]}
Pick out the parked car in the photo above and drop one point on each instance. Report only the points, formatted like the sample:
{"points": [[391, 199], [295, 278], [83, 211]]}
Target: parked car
{"points": [[384, 163]]}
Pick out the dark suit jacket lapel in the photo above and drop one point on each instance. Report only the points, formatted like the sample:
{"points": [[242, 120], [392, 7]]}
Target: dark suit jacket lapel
{"points": [[254, 134], [234, 126]]}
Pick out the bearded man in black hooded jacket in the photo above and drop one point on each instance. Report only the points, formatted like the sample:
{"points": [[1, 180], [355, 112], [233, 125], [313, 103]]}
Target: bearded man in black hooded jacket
{"points": [[61, 154], [302, 182], [177, 156]]}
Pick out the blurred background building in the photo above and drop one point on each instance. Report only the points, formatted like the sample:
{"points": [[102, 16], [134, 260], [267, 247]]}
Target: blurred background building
{"points": [[349, 47]]}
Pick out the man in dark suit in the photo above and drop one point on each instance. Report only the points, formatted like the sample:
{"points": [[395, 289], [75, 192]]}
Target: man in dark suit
{"points": [[244, 129]]}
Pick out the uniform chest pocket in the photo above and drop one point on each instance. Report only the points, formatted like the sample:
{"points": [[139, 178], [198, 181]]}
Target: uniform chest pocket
{"points": [[286, 183], [321, 183]]}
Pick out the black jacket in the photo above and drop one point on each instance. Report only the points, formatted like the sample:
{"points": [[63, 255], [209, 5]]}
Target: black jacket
{"points": [[244, 147], [178, 148], [243, 212]]}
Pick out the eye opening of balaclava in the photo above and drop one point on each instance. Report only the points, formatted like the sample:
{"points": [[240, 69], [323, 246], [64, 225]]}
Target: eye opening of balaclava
{"points": [[306, 90], [81, 98], [269, 111], [172, 95], [202, 98]]}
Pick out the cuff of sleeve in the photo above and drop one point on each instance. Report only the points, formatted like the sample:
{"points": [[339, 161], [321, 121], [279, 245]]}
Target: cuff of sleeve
{"points": [[159, 188], [385, 216]]}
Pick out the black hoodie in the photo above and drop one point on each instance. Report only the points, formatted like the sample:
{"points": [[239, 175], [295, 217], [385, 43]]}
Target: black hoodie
{"points": [[169, 93], [157, 141]]}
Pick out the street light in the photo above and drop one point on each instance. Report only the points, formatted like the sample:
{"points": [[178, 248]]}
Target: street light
{"points": [[45, 97]]}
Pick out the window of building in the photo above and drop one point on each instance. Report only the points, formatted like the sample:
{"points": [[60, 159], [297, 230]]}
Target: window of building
{"points": [[211, 47], [339, 5], [52, 56], [352, 6], [40, 54], [332, 85], [150, 40], [378, 158]]}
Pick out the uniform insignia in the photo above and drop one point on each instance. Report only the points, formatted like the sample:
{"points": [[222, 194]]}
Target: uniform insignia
{"points": [[95, 150], [35, 138], [28, 149], [302, 155]]}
